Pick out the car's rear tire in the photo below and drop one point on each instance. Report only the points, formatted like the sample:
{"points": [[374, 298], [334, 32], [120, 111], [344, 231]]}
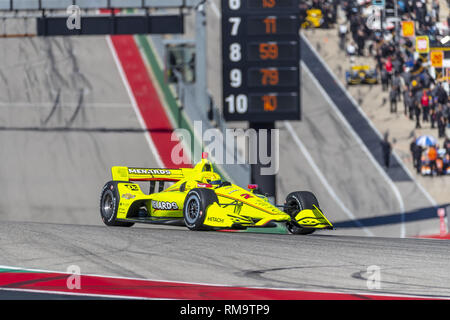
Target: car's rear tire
{"points": [[195, 205], [296, 202], [109, 202]]}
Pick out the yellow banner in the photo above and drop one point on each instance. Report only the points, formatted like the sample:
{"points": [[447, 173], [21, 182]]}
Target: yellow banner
{"points": [[422, 44], [436, 58], [408, 29]]}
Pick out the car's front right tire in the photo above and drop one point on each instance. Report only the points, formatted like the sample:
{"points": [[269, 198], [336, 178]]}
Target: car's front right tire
{"points": [[109, 202]]}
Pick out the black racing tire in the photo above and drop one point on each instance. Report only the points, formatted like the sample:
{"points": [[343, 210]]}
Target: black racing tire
{"points": [[295, 202], [195, 205], [109, 202], [305, 25]]}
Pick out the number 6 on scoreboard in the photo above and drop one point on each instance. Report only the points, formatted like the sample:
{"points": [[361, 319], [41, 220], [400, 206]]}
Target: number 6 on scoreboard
{"points": [[234, 4]]}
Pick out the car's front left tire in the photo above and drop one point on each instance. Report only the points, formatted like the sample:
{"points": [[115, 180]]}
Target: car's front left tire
{"points": [[195, 205], [296, 202]]}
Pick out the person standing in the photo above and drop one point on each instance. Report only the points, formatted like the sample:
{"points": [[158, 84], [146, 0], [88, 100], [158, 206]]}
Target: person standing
{"points": [[425, 102], [447, 145], [386, 149], [342, 36], [433, 118], [408, 101], [360, 41], [432, 157], [441, 94], [418, 158], [420, 13], [388, 67], [393, 100], [417, 111], [396, 85], [412, 149], [384, 80], [440, 119], [435, 10]]}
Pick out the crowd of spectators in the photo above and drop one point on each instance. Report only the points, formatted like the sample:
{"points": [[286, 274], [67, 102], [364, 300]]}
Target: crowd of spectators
{"points": [[403, 73], [431, 160]]}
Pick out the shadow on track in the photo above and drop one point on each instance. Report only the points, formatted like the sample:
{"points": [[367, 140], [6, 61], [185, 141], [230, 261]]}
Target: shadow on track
{"points": [[79, 129], [411, 216]]}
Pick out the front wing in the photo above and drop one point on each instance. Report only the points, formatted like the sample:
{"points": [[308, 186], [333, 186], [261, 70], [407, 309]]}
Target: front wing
{"points": [[217, 217]]}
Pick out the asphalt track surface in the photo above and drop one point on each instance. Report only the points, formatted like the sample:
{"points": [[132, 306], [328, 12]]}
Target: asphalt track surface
{"points": [[57, 144], [67, 118], [316, 262]]}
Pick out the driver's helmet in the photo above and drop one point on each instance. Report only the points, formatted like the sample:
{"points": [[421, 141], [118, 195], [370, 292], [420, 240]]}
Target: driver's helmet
{"points": [[212, 178]]}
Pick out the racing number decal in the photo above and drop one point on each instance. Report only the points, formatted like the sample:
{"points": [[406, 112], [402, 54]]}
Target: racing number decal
{"points": [[270, 102], [268, 51], [132, 187], [271, 25], [269, 77], [268, 3]]}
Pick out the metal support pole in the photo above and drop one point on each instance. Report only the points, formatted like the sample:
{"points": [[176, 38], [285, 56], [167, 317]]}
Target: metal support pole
{"points": [[180, 91], [397, 35], [201, 86], [266, 183]]}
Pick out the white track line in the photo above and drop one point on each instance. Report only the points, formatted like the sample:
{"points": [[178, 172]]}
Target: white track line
{"points": [[134, 103], [360, 142], [77, 294], [364, 148], [427, 195], [322, 178], [215, 9]]}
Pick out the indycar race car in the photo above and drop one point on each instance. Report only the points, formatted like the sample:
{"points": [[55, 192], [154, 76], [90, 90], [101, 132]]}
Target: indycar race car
{"points": [[361, 75], [314, 19], [200, 200]]}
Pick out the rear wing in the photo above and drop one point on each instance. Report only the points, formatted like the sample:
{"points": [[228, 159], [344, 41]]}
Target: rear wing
{"points": [[362, 67], [147, 174]]}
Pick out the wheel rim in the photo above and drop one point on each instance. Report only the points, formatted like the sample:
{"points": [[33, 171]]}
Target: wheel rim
{"points": [[293, 207], [292, 210], [291, 227], [192, 210], [108, 206]]}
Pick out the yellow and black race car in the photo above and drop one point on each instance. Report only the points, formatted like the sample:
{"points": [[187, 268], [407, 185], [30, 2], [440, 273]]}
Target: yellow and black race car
{"points": [[199, 199], [314, 19], [361, 75]]}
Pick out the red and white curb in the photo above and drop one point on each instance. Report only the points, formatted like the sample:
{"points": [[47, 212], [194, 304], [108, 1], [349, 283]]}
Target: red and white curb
{"points": [[43, 281]]}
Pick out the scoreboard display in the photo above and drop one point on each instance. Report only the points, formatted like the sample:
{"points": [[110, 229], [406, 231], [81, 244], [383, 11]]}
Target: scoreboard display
{"points": [[261, 56]]}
